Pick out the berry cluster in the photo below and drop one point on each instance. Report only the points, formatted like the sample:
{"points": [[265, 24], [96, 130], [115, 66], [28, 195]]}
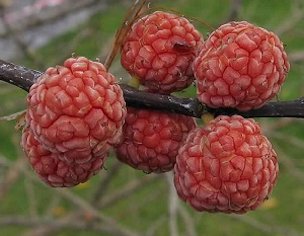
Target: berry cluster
{"points": [[228, 165], [158, 51], [76, 112]]}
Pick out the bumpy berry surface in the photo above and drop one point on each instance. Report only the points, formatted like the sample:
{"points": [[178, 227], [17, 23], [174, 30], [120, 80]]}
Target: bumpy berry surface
{"points": [[228, 166], [151, 139], [159, 51], [54, 171], [240, 66], [76, 110]]}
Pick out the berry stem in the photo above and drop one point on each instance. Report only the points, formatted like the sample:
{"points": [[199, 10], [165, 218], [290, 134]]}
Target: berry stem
{"points": [[24, 78]]}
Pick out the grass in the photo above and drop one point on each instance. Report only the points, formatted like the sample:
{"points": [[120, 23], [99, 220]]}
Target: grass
{"points": [[148, 206]]}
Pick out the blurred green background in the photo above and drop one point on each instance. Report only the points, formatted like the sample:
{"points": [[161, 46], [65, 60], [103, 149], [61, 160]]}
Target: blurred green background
{"points": [[137, 201]]}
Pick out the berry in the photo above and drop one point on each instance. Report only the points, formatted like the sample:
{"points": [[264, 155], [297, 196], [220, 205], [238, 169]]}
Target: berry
{"points": [[229, 166], [159, 51], [240, 66], [54, 171], [76, 110], [151, 139]]}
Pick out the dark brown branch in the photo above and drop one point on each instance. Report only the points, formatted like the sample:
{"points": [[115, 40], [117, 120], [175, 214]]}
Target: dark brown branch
{"points": [[140, 99], [18, 75], [24, 78]]}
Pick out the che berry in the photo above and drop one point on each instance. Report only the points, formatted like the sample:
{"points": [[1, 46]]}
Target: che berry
{"points": [[76, 110], [240, 66], [151, 139], [52, 170], [159, 51], [229, 166]]}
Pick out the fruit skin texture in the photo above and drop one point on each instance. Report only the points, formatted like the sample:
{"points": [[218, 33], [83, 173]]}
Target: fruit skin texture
{"points": [[52, 170], [240, 66], [152, 138], [159, 51], [76, 110], [229, 166]]}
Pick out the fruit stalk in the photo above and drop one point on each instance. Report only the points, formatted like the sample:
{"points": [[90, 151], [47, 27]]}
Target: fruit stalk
{"points": [[24, 78]]}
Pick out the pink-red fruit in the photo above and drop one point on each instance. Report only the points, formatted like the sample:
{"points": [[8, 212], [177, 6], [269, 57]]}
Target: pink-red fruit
{"points": [[159, 51], [76, 110], [229, 166], [54, 171], [151, 139], [240, 66]]}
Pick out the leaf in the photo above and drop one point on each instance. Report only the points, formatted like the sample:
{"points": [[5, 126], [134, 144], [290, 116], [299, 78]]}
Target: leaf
{"points": [[13, 116], [131, 16], [82, 186], [18, 116], [270, 203]]}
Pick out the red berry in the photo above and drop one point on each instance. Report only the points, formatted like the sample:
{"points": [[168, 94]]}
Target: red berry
{"points": [[241, 66], [228, 166], [159, 51], [76, 109], [152, 138], [54, 171]]}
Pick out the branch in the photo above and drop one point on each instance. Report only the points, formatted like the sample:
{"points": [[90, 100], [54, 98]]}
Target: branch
{"points": [[24, 78], [55, 224], [235, 7], [87, 207], [125, 191], [264, 226], [22, 46], [296, 56], [107, 223], [296, 15], [22, 20], [11, 176], [18, 75], [173, 205], [104, 183]]}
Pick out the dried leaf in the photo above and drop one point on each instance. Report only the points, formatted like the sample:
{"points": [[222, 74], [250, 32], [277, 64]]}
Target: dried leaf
{"points": [[270, 203], [132, 15]]}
